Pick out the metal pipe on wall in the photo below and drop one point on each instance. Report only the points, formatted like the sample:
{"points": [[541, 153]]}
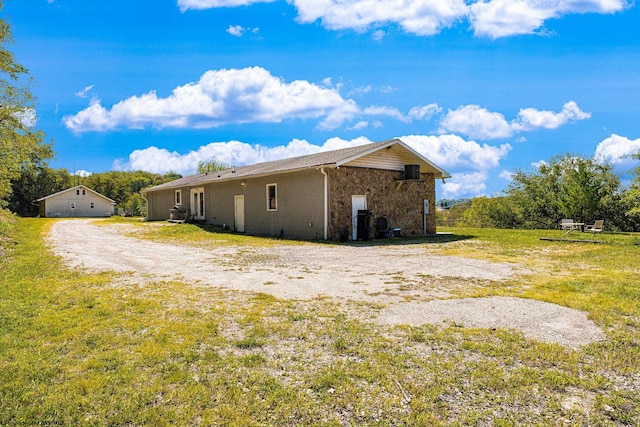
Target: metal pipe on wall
{"points": [[326, 203]]}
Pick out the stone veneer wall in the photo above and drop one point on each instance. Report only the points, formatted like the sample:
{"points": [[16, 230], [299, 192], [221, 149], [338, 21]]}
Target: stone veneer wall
{"points": [[403, 208]]}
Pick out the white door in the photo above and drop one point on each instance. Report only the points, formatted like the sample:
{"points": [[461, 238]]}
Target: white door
{"points": [[238, 212], [197, 203], [357, 203]]}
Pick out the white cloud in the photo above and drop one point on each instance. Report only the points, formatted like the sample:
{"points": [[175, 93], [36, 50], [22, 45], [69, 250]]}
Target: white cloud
{"points": [[488, 18], [453, 152], [617, 149], [160, 160], [83, 173], [467, 161], [339, 114], [476, 122], [235, 30], [500, 18], [385, 111], [420, 17], [479, 123], [360, 125], [465, 185], [505, 174], [211, 4], [239, 30], [93, 118], [236, 96], [220, 97], [83, 93], [424, 112], [530, 119], [360, 90], [378, 35]]}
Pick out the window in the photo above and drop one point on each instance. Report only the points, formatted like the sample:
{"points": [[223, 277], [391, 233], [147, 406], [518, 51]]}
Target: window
{"points": [[93, 205], [72, 205], [272, 197], [84, 192], [178, 197], [78, 192]]}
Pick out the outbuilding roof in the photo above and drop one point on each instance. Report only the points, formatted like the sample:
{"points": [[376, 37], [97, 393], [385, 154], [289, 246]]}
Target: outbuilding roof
{"points": [[334, 158], [73, 189]]}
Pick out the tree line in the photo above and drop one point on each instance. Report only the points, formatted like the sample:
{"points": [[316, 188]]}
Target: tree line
{"points": [[568, 186]]}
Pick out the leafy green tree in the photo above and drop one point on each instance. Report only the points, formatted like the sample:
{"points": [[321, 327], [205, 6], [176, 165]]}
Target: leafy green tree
{"points": [[136, 205], [588, 189], [36, 182], [494, 212], [18, 138], [211, 166], [169, 176], [566, 187], [632, 194], [114, 185], [534, 196]]}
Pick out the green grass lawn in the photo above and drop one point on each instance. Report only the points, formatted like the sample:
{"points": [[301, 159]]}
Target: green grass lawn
{"points": [[81, 349]]}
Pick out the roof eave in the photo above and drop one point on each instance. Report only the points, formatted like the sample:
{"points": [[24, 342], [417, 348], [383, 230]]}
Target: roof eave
{"points": [[77, 186], [233, 177]]}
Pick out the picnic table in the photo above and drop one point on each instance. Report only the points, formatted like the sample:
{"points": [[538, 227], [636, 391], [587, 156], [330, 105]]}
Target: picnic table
{"points": [[572, 226]]}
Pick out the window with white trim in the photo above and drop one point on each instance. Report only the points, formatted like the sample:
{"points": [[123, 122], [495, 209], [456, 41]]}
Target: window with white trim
{"points": [[72, 205], [272, 197], [178, 197], [93, 205]]}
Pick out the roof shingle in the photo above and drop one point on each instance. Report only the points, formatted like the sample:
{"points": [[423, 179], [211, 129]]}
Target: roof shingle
{"points": [[326, 158]]}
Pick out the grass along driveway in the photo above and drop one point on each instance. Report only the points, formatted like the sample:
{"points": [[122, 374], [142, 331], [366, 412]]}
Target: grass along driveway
{"points": [[95, 348], [389, 275]]}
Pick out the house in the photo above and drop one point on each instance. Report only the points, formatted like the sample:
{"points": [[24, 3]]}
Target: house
{"points": [[333, 195], [78, 201]]}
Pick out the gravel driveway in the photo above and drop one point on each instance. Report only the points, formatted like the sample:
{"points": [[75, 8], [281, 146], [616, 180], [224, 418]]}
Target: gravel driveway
{"points": [[408, 281]]}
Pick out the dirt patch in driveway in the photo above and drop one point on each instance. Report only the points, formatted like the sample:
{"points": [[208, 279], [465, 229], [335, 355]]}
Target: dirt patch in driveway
{"points": [[406, 279]]}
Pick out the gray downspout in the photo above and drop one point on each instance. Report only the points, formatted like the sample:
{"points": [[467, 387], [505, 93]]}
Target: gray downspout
{"points": [[326, 204]]}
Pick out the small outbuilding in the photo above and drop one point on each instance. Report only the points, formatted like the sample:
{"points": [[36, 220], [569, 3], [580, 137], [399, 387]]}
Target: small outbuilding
{"points": [[78, 201], [375, 190]]}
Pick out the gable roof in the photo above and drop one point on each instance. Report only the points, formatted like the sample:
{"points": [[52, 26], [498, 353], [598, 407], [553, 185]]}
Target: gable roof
{"points": [[334, 158], [72, 189]]}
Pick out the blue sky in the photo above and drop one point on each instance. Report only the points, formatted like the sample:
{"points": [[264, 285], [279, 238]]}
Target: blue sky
{"points": [[482, 88]]}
